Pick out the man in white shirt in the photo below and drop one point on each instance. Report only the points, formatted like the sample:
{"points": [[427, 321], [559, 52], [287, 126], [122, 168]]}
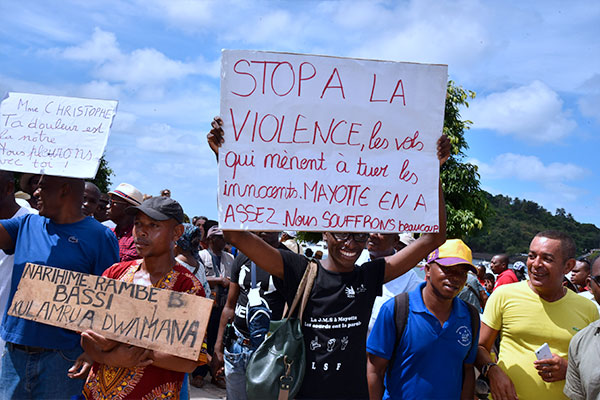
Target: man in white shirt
{"points": [[8, 209], [217, 265], [382, 245]]}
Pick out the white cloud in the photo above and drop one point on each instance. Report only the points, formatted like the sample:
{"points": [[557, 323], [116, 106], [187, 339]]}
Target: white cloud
{"points": [[124, 121], [189, 15], [528, 168], [590, 98], [163, 138], [101, 47], [144, 67], [533, 112], [425, 31], [145, 71], [100, 90]]}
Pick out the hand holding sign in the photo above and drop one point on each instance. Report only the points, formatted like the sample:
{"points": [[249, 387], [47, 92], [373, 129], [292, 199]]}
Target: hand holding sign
{"points": [[443, 149], [216, 136], [114, 353]]}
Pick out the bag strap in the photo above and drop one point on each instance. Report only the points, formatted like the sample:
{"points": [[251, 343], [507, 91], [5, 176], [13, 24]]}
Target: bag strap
{"points": [[400, 317], [303, 292], [253, 274], [475, 325], [304, 288], [474, 291]]}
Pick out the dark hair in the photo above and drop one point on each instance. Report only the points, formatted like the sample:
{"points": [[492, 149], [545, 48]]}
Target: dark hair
{"points": [[566, 242], [489, 277], [520, 274], [209, 224], [7, 175], [308, 252], [587, 264], [502, 259]]}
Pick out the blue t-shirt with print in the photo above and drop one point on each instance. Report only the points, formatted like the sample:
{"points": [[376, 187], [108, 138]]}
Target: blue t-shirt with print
{"points": [[85, 246], [429, 359]]}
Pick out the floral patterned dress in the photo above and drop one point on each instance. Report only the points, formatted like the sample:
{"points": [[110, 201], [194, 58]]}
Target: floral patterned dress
{"points": [[147, 383]]}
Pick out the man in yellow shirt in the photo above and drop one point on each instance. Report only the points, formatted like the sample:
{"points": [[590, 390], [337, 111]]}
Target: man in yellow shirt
{"points": [[528, 314]]}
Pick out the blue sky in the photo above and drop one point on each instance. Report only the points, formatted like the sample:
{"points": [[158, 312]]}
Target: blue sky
{"points": [[535, 67]]}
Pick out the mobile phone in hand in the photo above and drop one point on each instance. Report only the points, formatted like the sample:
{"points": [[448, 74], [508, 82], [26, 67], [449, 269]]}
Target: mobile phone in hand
{"points": [[543, 353]]}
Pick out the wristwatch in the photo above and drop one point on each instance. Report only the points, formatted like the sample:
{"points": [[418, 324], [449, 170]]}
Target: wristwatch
{"points": [[486, 368]]}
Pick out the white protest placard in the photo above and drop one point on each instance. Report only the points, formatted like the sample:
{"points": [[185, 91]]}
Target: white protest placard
{"points": [[319, 143], [54, 135]]}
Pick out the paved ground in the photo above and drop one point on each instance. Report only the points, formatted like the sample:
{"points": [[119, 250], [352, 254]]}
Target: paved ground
{"points": [[209, 391]]}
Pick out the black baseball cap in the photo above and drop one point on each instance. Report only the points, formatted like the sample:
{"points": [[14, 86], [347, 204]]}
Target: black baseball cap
{"points": [[160, 208]]}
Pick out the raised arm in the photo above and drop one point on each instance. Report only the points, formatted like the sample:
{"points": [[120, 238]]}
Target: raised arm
{"points": [[6, 242], [248, 243], [263, 254], [402, 261]]}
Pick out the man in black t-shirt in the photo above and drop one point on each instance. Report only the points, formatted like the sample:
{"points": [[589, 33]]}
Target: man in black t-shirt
{"points": [[235, 357], [337, 313]]}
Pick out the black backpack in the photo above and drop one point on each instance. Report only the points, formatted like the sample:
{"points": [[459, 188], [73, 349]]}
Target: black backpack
{"points": [[401, 316]]}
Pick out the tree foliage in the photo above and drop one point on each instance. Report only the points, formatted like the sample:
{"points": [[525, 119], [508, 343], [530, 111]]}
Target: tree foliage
{"points": [[467, 206], [102, 179], [517, 221]]}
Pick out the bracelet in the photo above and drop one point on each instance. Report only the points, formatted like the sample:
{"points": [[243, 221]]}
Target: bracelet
{"points": [[486, 368]]}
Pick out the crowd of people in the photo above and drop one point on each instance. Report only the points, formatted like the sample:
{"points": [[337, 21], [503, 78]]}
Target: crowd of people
{"points": [[372, 327]]}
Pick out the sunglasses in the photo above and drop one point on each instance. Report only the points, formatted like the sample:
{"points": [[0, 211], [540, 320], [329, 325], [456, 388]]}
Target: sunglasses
{"points": [[359, 237], [123, 203]]}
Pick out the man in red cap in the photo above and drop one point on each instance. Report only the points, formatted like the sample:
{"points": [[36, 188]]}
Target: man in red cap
{"points": [[432, 355]]}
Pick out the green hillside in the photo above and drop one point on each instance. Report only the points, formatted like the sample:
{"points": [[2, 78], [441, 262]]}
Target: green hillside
{"points": [[514, 223]]}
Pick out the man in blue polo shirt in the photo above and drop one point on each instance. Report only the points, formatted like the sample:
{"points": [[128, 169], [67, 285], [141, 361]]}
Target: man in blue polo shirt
{"points": [[435, 354], [37, 357]]}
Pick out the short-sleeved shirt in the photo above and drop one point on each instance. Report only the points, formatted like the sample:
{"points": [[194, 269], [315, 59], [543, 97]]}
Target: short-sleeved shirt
{"points": [[241, 274], [85, 246], [590, 296], [407, 282], [505, 277], [525, 321], [151, 382], [334, 326], [471, 293], [583, 374], [430, 356], [127, 250], [6, 270]]}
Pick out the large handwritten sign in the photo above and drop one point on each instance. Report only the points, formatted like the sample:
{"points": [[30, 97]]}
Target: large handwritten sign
{"points": [[54, 135], [148, 317], [329, 144]]}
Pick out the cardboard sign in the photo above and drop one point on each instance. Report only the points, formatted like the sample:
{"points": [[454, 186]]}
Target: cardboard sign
{"points": [[54, 135], [319, 143], [148, 317]]}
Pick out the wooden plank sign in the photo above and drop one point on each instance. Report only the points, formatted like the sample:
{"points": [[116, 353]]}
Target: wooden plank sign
{"points": [[144, 316]]}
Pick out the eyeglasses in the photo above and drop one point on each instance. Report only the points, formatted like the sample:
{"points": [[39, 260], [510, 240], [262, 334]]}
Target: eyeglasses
{"points": [[359, 237], [596, 279]]}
